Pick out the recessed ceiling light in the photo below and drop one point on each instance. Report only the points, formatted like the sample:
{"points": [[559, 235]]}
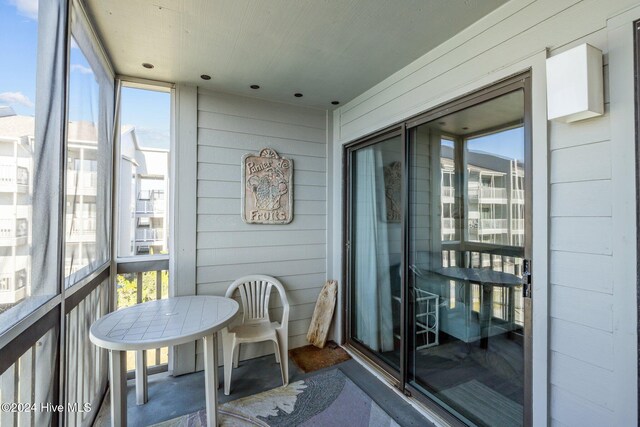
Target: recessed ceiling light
{"points": [[147, 65], [335, 102], [297, 95], [254, 87], [205, 77]]}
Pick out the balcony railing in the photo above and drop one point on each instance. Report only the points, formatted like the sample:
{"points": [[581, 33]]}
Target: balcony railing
{"points": [[86, 365], [6, 282], [13, 232], [149, 207], [517, 225], [13, 286], [139, 282], [493, 225], [80, 229], [448, 192], [79, 182], [507, 303], [517, 196], [149, 234], [448, 224], [151, 195], [493, 194], [14, 179], [27, 382]]}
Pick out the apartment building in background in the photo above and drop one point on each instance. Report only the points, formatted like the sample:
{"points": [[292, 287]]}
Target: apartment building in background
{"points": [[494, 198], [143, 227], [16, 148], [81, 194]]}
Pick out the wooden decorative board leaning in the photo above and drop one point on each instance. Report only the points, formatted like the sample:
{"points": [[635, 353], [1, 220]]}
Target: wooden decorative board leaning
{"points": [[267, 188], [322, 315]]}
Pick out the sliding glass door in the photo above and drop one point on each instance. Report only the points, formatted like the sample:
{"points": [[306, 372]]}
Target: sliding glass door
{"points": [[467, 200], [437, 243]]}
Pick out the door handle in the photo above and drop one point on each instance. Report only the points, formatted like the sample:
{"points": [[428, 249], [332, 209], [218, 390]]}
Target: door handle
{"points": [[526, 275]]}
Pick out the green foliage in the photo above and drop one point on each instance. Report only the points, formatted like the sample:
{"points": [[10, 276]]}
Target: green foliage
{"points": [[127, 287]]}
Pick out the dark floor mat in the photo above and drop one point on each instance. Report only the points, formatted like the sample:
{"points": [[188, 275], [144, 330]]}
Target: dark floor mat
{"points": [[311, 358]]}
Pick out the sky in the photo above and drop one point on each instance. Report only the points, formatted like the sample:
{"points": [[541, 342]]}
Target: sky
{"points": [[18, 44], [83, 88], [509, 144], [148, 111]]}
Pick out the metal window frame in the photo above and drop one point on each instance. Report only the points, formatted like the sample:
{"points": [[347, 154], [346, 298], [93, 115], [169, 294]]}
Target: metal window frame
{"points": [[144, 84], [142, 265], [349, 149], [520, 80], [636, 65], [136, 263], [17, 339]]}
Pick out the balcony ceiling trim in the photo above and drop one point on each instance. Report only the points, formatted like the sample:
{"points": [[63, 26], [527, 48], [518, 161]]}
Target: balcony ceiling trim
{"points": [[328, 50]]}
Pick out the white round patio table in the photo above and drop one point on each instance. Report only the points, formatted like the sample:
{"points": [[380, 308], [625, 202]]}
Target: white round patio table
{"points": [[156, 324]]}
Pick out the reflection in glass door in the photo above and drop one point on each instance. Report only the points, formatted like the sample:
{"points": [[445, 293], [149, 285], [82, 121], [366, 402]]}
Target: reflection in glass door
{"points": [[467, 200], [375, 239]]}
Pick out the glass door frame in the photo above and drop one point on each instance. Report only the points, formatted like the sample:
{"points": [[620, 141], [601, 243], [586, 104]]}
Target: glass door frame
{"points": [[399, 379], [393, 375]]}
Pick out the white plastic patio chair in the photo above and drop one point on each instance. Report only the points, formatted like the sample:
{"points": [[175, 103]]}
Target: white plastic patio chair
{"points": [[256, 325]]}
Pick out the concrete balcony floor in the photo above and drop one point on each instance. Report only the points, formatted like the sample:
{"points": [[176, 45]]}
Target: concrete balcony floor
{"points": [[171, 397]]}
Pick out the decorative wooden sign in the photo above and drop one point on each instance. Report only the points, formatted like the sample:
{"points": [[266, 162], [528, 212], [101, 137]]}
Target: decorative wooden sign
{"points": [[267, 188], [322, 314], [392, 191]]}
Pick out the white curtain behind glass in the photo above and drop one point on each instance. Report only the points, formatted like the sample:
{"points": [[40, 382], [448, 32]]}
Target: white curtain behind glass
{"points": [[372, 286], [89, 155]]}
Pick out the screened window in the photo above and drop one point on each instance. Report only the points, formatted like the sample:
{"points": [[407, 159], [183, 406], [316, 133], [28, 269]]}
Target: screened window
{"points": [[88, 162], [143, 190], [30, 104]]}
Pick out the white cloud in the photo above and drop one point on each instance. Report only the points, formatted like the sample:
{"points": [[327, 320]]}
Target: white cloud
{"points": [[28, 8], [81, 69], [13, 98]]}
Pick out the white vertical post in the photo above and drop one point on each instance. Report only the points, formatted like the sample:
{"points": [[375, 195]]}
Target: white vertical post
{"points": [[183, 199]]}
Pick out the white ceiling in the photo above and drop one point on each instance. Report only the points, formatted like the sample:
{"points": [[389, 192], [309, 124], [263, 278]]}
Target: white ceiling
{"points": [[506, 110], [325, 49]]}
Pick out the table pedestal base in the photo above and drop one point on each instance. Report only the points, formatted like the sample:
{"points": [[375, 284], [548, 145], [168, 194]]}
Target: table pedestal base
{"points": [[185, 319], [118, 386], [142, 395], [211, 378]]}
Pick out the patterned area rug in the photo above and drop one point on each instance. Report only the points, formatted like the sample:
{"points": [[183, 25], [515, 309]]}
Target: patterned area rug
{"points": [[326, 399]]}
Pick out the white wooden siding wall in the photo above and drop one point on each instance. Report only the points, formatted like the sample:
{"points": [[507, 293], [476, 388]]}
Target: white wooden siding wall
{"points": [[586, 376], [581, 351], [422, 175], [228, 127]]}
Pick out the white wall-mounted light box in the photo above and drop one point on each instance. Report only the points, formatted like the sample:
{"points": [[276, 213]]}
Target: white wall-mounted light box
{"points": [[575, 86]]}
